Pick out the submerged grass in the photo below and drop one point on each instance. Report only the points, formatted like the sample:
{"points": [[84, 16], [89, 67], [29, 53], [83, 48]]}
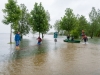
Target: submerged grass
{"points": [[11, 43]]}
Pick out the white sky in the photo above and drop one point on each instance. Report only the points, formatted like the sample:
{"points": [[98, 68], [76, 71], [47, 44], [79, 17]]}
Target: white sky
{"points": [[56, 9]]}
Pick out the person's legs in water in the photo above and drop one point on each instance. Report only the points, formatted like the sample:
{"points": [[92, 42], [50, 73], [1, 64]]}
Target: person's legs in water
{"points": [[39, 43], [85, 41], [68, 38], [17, 45]]}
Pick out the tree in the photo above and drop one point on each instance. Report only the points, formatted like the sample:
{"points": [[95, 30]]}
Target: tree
{"points": [[24, 26], [83, 24], [39, 20], [12, 15], [57, 26], [68, 21], [46, 25], [75, 32], [93, 21], [98, 22]]}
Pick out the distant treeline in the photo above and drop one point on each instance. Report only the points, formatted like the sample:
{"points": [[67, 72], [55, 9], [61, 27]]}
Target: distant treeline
{"points": [[74, 24]]}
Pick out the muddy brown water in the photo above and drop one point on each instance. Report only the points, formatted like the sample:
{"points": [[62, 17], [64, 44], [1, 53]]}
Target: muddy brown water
{"points": [[50, 59]]}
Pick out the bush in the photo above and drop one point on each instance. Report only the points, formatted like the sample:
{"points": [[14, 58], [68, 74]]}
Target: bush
{"points": [[75, 34]]}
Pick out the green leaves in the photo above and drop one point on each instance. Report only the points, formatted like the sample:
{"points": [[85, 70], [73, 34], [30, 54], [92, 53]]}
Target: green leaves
{"points": [[24, 26], [67, 22], [39, 19], [94, 21], [12, 12], [57, 26], [82, 24]]}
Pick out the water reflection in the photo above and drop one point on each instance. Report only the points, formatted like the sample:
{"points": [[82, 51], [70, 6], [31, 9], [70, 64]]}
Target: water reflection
{"points": [[70, 51], [95, 40], [39, 59]]}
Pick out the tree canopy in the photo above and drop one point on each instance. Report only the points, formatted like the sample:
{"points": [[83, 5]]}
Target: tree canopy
{"points": [[39, 19], [68, 21]]}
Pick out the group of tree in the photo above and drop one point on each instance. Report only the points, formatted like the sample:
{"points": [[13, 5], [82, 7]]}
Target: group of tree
{"points": [[19, 19], [37, 20], [74, 24]]}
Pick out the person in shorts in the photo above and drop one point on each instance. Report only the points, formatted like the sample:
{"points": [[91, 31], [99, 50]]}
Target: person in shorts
{"points": [[17, 40]]}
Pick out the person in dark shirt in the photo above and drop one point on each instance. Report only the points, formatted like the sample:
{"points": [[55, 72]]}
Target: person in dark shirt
{"points": [[68, 36]]}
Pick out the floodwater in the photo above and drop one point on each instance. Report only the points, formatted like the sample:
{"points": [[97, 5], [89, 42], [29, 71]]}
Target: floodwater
{"points": [[50, 58]]}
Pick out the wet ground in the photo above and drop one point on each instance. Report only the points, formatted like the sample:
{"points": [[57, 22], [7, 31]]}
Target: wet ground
{"points": [[50, 58]]}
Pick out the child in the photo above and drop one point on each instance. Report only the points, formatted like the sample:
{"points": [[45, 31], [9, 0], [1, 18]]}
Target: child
{"points": [[39, 40]]}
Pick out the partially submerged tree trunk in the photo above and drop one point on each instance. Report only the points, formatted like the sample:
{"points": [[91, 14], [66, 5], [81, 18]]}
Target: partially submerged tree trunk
{"points": [[39, 34], [21, 36], [92, 35], [42, 35], [10, 34]]}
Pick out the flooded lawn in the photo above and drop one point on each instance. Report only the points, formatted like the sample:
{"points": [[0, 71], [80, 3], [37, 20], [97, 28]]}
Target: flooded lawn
{"points": [[50, 58]]}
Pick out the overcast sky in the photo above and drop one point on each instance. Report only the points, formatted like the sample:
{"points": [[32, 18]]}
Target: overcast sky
{"points": [[56, 9]]}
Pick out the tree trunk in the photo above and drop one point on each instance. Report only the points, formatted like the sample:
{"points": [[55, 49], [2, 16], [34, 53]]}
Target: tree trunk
{"points": [[92, 35], [11, 34], [42, 35], [39, 34], [58, 31], [21, 36], [68, 32]]}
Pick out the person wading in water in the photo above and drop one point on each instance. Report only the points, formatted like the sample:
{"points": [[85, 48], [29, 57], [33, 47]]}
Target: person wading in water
{"points": [[85, 39], [17, 40], [39, 40]]}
